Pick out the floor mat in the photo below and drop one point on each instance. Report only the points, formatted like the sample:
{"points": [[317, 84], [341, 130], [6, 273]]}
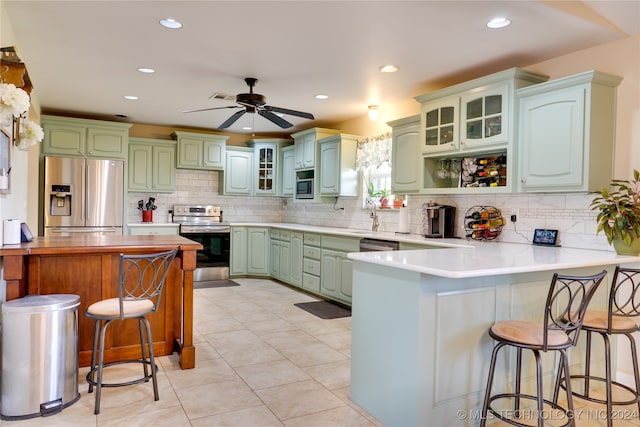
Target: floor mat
{"points": [[214, 284], [324, 309]]}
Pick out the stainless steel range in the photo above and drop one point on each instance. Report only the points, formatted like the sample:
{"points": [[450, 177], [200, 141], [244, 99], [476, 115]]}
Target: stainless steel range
{"points": [[203, 224]]}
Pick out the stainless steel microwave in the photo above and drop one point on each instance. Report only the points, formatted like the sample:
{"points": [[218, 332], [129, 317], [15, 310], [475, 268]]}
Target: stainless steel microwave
{"points": [[304, 188]]}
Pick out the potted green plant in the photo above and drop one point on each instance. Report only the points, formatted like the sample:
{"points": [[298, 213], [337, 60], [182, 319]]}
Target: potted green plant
{"points": [[619, 214]]}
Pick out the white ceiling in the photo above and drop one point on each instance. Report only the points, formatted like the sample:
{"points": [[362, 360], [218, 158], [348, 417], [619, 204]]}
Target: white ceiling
{"points": [[82, 56]]}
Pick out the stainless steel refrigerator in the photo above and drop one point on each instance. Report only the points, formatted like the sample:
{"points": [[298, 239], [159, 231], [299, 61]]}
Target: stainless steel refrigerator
{"points": [[82, 196]]}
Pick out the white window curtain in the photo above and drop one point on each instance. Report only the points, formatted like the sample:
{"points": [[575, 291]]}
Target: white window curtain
{"points": [[373, 151]]}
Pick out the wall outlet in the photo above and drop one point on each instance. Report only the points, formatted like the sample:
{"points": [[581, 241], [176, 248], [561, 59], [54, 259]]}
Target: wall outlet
{"points": [[514, 214]]}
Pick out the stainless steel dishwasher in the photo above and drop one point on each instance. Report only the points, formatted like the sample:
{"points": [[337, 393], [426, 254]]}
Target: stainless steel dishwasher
{"points": [[373, 245]]}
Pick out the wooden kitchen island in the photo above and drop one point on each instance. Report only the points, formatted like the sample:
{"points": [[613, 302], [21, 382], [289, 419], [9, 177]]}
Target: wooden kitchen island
{"points": [[88, 266]]}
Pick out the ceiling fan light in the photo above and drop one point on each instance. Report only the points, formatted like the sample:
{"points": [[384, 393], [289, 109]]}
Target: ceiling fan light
{"points": [[170, 23], [499, 22], [374, 112]]}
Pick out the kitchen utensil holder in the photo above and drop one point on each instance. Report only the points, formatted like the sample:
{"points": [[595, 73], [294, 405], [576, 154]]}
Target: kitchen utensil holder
{"points": [[147, 215]]}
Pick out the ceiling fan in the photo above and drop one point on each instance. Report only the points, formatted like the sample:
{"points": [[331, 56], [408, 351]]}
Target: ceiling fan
{"points": [[256, 103]]}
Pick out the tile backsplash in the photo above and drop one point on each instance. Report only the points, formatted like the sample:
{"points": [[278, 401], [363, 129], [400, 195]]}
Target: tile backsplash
{"points": [[568, 213]]}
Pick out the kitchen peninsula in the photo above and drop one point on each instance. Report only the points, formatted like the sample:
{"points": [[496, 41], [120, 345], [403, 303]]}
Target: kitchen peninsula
{"points": [[88, 266], [420, 349]]}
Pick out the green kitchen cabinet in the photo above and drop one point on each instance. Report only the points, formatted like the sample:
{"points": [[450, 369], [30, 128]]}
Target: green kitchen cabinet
{"points": [[200, 151], [238, 172], [306, 146], [336, 270], [238, 251], [258, 251], [286, 256], [283, 254], [311, 262], [473, 119], [267, 168], [152, 165], [67, 136], [567, 133], [406, 161], [249, 252], [338, 173], [296, 265], [287, 171]]}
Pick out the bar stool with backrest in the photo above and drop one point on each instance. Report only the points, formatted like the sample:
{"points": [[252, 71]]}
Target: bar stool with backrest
{"points": [[622, 317], [141, 279], [564, 311]]}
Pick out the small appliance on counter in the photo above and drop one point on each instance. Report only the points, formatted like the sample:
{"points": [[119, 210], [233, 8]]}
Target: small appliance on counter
{"points": [[438, 220]]}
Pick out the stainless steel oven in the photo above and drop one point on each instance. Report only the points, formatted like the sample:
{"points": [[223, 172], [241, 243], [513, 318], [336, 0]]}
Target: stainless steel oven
{"points": [[203, 224]]}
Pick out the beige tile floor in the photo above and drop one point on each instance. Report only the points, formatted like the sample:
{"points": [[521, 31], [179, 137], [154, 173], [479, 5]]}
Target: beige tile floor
{"points": [[260, 361]]}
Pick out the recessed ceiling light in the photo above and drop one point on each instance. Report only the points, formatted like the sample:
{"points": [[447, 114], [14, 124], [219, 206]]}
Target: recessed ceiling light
{"points": [[322, 96], [246, 128], [499, 22], [170, 23], [146, 70], [388, 68], [131, 97]]}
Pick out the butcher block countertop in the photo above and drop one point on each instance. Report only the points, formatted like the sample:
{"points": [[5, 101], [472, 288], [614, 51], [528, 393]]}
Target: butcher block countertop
{"points": [[97, 244], [87, 266]]}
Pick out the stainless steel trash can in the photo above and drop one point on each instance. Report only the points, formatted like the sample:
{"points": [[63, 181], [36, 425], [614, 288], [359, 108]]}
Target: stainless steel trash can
{"points": [[39, 355]]}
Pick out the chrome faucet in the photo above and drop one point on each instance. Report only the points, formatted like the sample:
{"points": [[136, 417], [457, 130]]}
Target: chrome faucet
{"points": [[374, 216]]}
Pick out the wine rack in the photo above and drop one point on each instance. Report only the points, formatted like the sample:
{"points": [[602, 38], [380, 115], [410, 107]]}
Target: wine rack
{"points": [[483, 223]]}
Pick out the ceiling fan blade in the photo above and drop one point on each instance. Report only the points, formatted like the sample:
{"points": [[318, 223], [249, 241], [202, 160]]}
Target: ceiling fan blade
{"points": [[275, 119], [214, 108], [231, 120], [289, 112]]}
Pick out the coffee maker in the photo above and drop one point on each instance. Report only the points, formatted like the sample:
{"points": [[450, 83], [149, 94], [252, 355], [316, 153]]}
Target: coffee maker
{"points": [[438, 220]]}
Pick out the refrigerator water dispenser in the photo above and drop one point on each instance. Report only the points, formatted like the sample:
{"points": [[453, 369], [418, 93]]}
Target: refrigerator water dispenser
{"points": [[60, 200]]}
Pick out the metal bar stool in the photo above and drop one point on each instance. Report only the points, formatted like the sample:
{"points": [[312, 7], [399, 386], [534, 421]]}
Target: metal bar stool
{"points": [[564, 311], [141, 279], [621, 318]]}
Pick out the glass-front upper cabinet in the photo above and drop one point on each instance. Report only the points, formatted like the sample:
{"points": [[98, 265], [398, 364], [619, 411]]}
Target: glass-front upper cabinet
{"points": [[266, 168], [441, 125], [485, 117]]}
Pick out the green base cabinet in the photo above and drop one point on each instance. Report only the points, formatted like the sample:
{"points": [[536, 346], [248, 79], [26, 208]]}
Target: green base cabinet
{"points": [[286, 256], [336, 270], [66, 136], [152, 165], [249, 253]]}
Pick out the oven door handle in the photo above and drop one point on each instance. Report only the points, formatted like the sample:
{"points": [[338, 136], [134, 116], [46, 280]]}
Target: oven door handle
{"points": [[201, 229]]}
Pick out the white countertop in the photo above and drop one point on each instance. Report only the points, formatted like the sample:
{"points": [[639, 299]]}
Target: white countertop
{"points": [[491, 259], [348, 232]]}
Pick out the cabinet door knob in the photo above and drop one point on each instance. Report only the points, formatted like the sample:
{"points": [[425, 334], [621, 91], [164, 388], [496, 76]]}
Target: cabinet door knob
{"points": [[523, 180]]}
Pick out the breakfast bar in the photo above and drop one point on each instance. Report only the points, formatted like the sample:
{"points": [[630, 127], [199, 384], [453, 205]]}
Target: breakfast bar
{"points": [[88, 266], [420, 349]]}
